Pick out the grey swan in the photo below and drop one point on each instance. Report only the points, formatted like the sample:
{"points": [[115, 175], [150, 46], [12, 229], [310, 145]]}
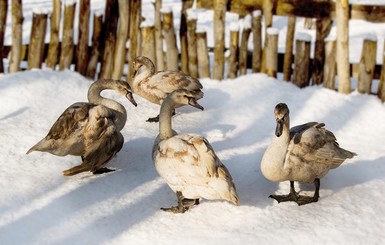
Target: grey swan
{"points": [[90, 130], [155, 86], [304, 153], [187, 162]]}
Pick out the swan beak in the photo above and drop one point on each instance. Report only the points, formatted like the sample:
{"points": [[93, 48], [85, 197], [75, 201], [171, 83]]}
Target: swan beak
{"points": [[195, 104], [131, 98], [279, 128]]}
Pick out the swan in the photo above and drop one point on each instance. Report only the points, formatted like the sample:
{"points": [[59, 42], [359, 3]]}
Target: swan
{"points": [[90, 130], [187, 162], [155, 86], [304, 153]]}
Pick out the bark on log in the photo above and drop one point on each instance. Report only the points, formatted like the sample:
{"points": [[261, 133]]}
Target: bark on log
{"points": [[192, 47], [148, 42], [219, 38], [3, 18], [343, 67], [53, 49], [186, 4], [67, 45], [243, 51], [135, 20], [170, 39], [288, 58], [158, 36], [367, 64], [82, 47], [95, 49], [381, 88], [302, 61], [268, 15], [203, 55], [37, 38], [257, 41], [272, 52], [17, 25], [233, 58], [330, 64], [121, 40]]}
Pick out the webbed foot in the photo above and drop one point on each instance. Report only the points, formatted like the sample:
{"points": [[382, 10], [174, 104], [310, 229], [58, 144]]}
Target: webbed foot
{"points": [[103, 170]]}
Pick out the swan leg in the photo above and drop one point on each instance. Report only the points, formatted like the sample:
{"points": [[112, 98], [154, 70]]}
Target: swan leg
{"points": [[103, 170], [302, 200], [183, 204], [76, 170], [292, 196]]}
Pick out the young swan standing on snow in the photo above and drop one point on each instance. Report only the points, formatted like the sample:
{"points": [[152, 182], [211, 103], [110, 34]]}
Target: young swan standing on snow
{"points": [[187, 162], [304, 153], [155, 86], [90, 130]]}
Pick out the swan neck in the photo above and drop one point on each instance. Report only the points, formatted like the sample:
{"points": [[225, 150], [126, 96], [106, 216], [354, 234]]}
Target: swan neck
{"points": [[166, 111], [149, 71]]}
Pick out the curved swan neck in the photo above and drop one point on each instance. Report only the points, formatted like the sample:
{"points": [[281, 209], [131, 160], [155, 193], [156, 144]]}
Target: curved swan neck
{"points": [[94, 97], [148, 72], [166, 111]]}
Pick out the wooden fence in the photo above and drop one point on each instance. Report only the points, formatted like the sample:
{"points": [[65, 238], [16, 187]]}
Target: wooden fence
{"points": [[122, 22]]}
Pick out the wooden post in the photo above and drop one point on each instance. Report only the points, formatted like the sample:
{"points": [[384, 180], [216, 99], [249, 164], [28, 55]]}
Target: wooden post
{"points": [[256, 26], [186, 4], [367, 64], [233, 58], [148, 41], [343, 66], [302, 60], [110, 25], [203, 55], [219, 38], [17, 32], [381, 87], [53, 50], [121, 40], [3, 24], [323, 28], [158, 36], [82, 47], [37, 38], [244, 45], [330, 64], [170, 39], [134, 30], [67, 45], [288, 58], [272, 52], [267, 9], [192, 43], [95, 49]]}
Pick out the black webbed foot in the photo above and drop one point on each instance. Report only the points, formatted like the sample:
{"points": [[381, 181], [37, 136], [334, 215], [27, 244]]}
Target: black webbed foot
{"points": [[103, 170]]}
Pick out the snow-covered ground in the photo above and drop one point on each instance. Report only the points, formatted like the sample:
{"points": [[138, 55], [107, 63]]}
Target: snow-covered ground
{"points": [[38, 205]]}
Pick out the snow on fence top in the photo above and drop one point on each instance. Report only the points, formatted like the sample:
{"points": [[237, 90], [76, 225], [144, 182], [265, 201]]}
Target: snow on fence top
{"points": [[40, 11], [166, 9], [247, 22], [234, 26], [191, 14], [272, 31], [69, 2], [303, 36], [257, 13]]}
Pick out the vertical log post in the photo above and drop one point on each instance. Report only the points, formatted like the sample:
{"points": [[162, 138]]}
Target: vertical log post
{"points": [[192, 43], [121, 40], [186, 4], [367, 65], [95, 48], [158, 36], [219, 38], [302, 60], [17, 32], [257, 41], [288, 58], [267, 9], [234, 44], [53, 49], [110, 25], [272, 52], [134, 30], [203, 55], [170, 39], [36, 43], [244, 45], [148, 41], [381, 87], [323, 28], [3, 19], [330, 64], [343, 66], [82, 47], [67, 45]]}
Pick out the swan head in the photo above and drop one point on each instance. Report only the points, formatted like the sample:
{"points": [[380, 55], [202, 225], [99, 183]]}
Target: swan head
{"points": [[121, 86], [139, 62], [281, 114], [183, 97]]}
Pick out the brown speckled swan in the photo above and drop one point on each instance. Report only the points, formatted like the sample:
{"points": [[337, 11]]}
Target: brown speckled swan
{"points": [[90, 130], [187, 162], [304, 153], [155, 86]]}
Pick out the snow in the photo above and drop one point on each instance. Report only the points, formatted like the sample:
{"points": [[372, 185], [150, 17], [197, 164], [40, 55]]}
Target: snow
{"points": [[303, 36], [38, 205]]}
